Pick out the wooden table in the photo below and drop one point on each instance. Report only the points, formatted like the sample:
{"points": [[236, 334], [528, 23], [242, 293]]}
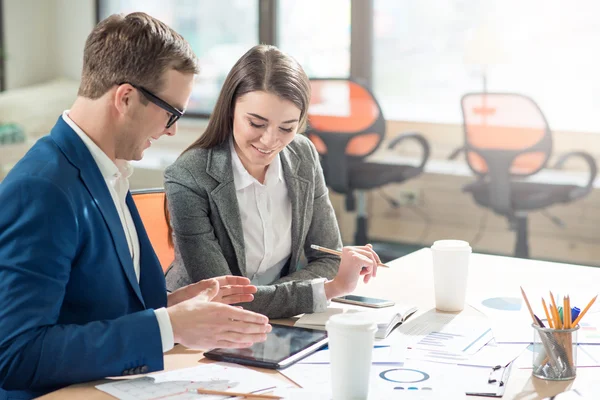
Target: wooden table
{"points": [[410, 281]]}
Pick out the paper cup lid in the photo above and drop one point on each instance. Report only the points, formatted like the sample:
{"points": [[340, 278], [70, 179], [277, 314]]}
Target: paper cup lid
{"points": [[352, 321], [451, 245]]}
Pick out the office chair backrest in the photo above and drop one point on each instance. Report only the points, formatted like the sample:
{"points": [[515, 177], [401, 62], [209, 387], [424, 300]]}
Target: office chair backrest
{"points": [[150, 204], [507, 125], [345, 125]]}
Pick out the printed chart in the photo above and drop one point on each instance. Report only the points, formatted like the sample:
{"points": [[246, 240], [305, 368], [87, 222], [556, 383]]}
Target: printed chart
{"points": [[503, 303], [180, 384]]}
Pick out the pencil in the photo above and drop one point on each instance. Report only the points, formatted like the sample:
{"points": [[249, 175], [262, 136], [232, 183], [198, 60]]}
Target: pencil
{"points": [[237, 394], [565, 313], [569, 319], [558, 322], [555, 315], [550, 323], [581, 314], [529, 307], [338, 253]]}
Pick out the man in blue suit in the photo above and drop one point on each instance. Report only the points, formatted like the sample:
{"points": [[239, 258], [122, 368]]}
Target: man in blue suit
{"points": [[82, 294]]}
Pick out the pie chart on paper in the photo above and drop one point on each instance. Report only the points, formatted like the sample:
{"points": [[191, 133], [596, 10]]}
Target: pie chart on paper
{"points": [[503, 303]]}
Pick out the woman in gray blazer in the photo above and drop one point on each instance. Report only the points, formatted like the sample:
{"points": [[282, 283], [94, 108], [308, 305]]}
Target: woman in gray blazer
{"points": [[249, 198]]}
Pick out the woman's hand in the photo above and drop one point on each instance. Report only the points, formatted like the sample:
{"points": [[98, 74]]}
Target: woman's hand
{"points": [[356, 261], [231, 290]]}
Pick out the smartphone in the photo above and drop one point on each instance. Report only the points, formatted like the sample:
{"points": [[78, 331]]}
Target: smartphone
{"points": [[364, 301]]}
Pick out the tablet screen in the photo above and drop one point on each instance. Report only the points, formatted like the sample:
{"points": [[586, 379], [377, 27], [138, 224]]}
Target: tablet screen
{"points": [[284, 346]]}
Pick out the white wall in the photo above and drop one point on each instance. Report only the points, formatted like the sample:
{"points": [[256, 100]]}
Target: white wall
{"points": [[29, 45], [44, 39], [75, 19]]}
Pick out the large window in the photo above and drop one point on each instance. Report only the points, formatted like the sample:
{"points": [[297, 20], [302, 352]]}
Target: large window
{"points": [[219, 32], [425, 53], [317, 34], [428, 53]]}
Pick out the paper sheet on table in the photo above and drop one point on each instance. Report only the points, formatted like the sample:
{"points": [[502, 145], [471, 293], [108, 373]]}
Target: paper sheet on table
{"points": [[175, 384], [587, 389], [588, 355], [386, 380], [508, 316], [384, 394], [436, 331], [490, 355], [382, 354]]}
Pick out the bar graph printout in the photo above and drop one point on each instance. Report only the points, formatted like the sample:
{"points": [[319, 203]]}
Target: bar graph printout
{"points": [[444, 332], [179, 384]]}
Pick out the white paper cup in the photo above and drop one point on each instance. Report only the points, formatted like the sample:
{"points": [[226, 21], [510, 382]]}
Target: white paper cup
{"points": [[450, 273], [351, 338]]}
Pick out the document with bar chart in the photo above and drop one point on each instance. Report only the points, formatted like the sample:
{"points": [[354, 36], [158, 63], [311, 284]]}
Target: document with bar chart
{"points": [[457, 333]]}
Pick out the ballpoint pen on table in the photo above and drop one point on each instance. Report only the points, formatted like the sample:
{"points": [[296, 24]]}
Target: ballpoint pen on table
{"points": [[338, 253]]}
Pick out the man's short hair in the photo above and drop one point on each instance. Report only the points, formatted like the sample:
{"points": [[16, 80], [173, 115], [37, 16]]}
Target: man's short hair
{"points": [[135, 48]]}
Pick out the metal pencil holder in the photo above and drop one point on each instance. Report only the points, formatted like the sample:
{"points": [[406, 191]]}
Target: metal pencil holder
{"points": [[555, 353]]}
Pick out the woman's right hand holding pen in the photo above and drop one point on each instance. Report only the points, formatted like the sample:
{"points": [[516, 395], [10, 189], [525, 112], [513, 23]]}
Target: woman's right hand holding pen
{"points": [[356, 261]]}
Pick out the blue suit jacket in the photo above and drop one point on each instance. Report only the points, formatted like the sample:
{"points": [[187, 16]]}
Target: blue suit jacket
{"points": [[71, 309]]}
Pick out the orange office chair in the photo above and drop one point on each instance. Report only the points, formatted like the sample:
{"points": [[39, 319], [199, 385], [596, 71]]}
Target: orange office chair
{"points": [[151, 206], [507, 137], [346, 125]]}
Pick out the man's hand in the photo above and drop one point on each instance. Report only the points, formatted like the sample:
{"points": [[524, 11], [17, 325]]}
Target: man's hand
{"points": [[231, 290], [356, 261], [199, 323]]}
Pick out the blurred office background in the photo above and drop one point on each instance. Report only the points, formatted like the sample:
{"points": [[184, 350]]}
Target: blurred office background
{"points": [[418, 57]]}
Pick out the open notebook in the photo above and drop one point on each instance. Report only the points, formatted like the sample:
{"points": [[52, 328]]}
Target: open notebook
{"points": [[387, 318]]}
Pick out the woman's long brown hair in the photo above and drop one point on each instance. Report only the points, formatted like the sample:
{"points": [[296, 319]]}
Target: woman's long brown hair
{"points": [[263, 68]]}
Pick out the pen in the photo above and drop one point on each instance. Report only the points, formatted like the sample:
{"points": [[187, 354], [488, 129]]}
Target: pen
{"points": [[235, 394], [539, 321], [338, 253], [575, 313], [377, 346]]}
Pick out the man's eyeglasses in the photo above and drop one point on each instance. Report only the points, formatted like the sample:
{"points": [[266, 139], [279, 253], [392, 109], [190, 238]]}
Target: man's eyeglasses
{"points": [[175, 113]]}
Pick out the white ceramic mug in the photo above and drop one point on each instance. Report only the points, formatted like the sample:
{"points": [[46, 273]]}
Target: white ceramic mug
{"points": [[450, 273]]}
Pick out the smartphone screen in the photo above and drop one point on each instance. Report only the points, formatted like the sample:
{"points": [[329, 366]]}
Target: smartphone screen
{"points": [[364, 301]]}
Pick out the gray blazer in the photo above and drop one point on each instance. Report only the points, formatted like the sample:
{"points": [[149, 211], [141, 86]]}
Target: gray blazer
{"points": [[207, 226]]}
